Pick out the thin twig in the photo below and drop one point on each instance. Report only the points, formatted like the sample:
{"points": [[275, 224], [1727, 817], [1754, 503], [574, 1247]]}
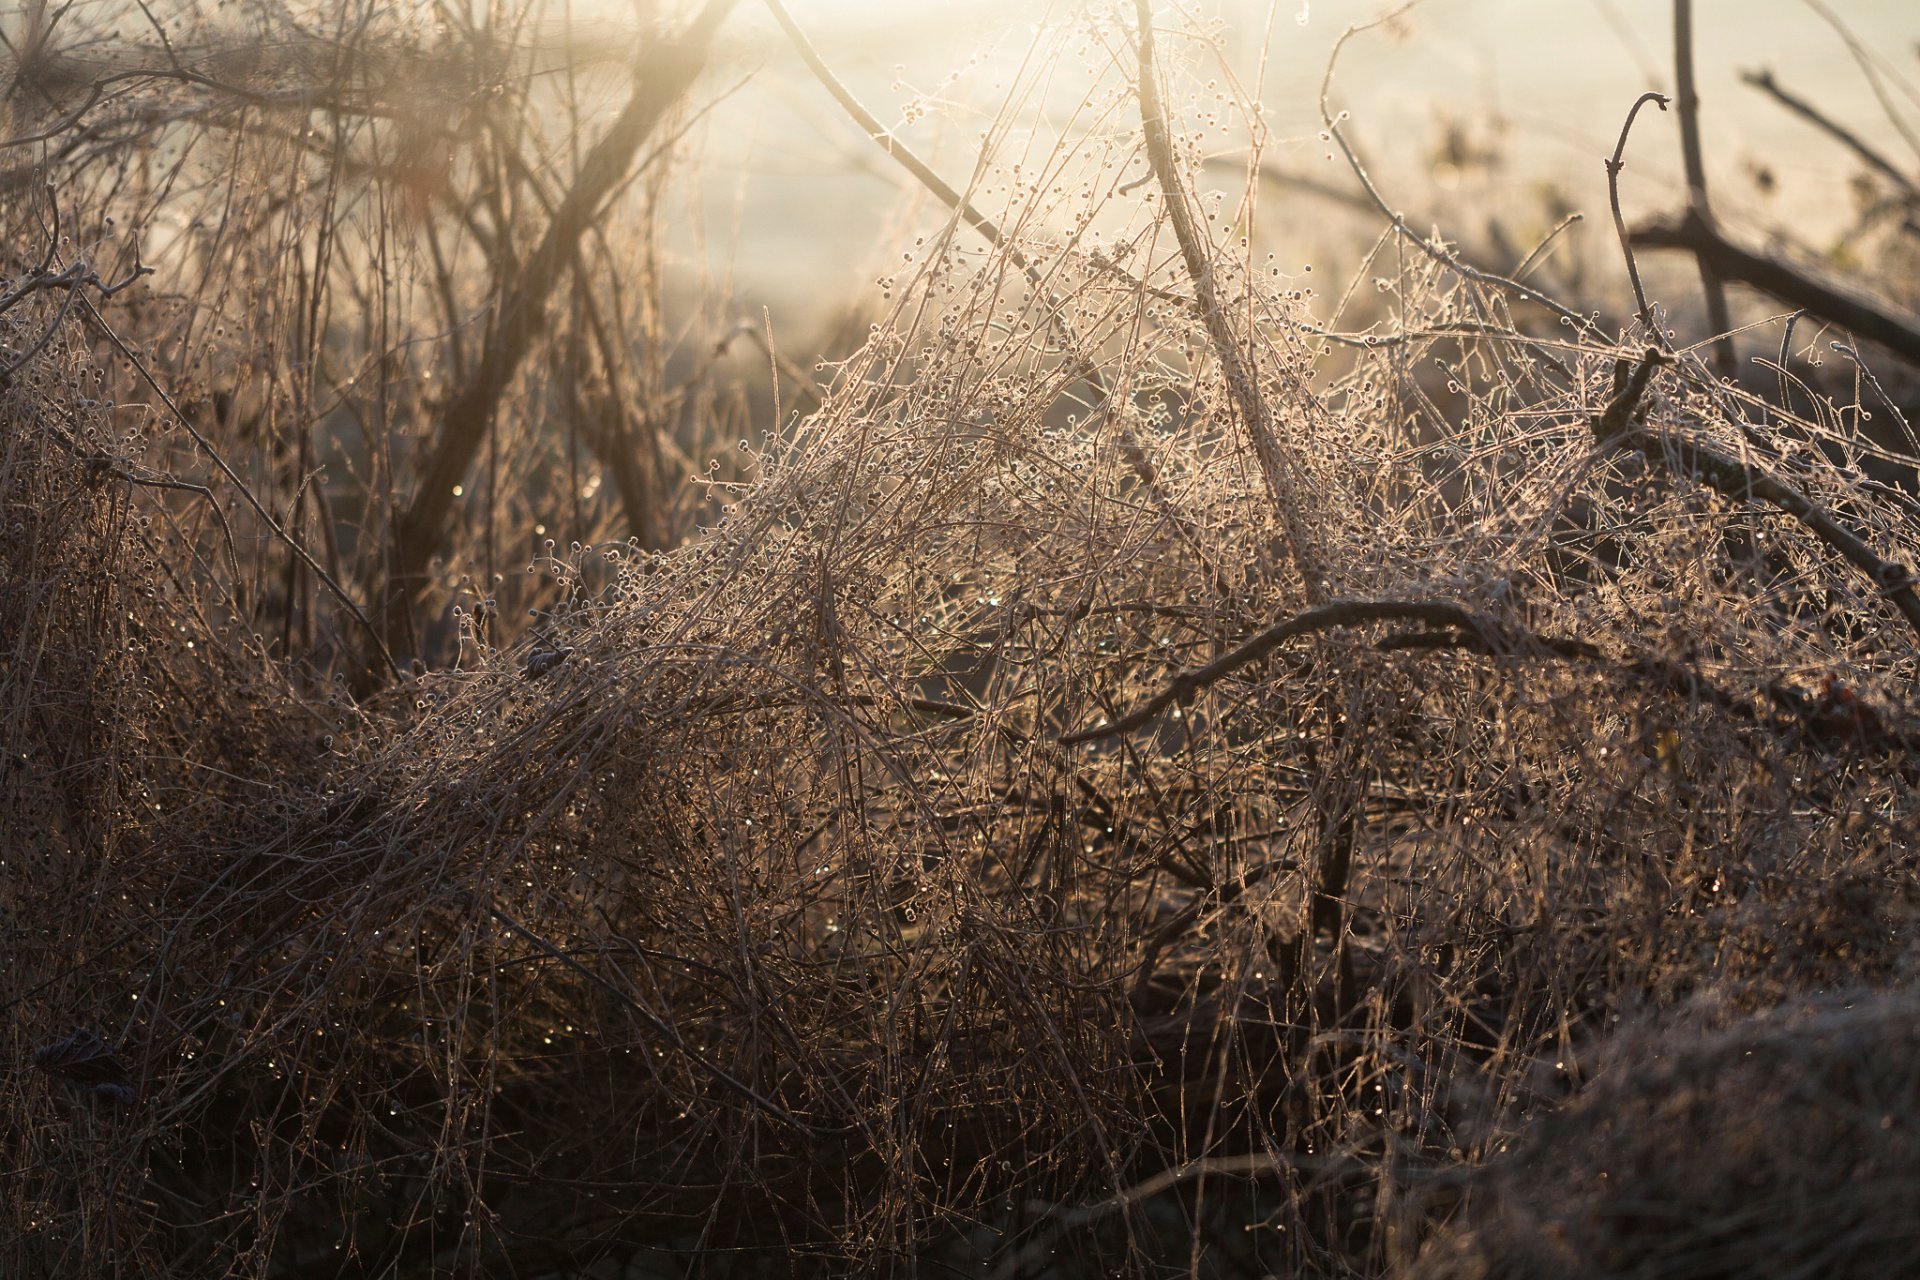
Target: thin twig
{"points": [[1525, 264], [945, 192], [1786, 350], [1893, 406], [1742, 482], [1132, 451], [1614, 166], [100, 463], [888, 141], [1398, 221], [1763, 81]]}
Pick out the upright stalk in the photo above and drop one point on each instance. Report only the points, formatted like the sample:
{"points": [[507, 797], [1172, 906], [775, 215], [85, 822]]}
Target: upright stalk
{"points": [[1687, 104], [1280, 471]]}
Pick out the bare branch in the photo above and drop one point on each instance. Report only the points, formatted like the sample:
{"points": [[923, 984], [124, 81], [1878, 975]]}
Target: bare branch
{"points": [[661, 78], [1764, 81], [1687, 105], [1873, 321], [1282, 472]]}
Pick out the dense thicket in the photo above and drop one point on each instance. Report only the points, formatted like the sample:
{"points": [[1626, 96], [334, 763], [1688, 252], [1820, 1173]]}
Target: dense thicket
{"points": [[1137, 774]]}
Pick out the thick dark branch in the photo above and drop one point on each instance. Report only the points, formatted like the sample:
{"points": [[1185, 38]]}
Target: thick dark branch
{"points": [[1896, 332], [1461, 628], [1687, 106], [661, 79], [1326, 617]]}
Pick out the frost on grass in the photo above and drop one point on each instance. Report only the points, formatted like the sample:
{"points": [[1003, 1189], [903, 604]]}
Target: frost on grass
{"points": [[753, 901]]}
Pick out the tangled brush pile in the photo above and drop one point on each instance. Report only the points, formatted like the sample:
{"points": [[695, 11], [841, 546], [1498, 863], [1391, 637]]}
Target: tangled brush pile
{"points": [[1778, 1145], [1046, 817]]}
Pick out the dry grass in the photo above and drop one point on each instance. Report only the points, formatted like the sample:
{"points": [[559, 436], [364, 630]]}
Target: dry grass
{"points": [[776, 901], [1773, 1146]]}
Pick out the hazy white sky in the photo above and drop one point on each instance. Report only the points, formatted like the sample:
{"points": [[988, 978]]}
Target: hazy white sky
{"points": [[806, 209]]}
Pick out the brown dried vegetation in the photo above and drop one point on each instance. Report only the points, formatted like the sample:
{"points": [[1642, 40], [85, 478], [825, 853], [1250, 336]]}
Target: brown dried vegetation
{"points": [[798, 892]]}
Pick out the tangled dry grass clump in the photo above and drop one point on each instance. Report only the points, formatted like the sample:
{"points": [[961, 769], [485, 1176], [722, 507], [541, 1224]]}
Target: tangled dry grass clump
{"points": [[1776, 1146], [1010, 838]]}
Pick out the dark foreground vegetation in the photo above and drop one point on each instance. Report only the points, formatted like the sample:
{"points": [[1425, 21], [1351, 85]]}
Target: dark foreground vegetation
{"points": [[1139, 771]]}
